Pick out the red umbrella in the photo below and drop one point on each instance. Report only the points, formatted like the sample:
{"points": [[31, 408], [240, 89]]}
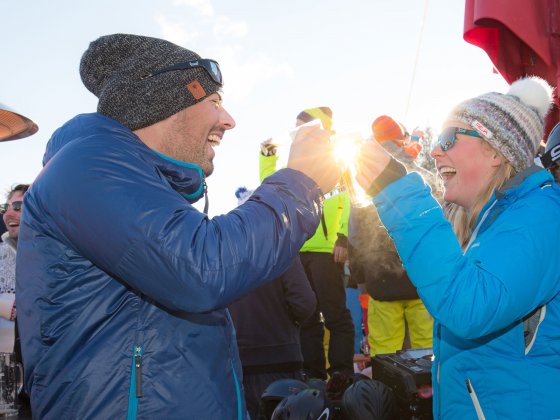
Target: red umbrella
{"points": [[521, 37]]}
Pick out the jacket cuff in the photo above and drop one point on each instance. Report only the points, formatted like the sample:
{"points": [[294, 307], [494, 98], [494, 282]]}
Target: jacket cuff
{"points": [[393, 171]]}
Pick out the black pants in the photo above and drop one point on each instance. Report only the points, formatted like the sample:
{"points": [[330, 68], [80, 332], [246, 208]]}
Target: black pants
{"points": [[327, 281]]}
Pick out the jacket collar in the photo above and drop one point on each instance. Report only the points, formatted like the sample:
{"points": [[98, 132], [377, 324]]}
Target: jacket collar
{"points": [[524, 181], [519, 185], [185, 178]]}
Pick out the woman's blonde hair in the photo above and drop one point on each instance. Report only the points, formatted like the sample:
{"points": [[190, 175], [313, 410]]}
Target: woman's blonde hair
{"points": [[462, 220]]}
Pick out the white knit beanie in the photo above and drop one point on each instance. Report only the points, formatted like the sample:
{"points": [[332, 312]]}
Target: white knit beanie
{"points": [[511, 123]]}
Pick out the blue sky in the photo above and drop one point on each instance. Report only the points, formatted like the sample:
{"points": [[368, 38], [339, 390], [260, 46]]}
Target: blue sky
{"points": [[404, 58]]}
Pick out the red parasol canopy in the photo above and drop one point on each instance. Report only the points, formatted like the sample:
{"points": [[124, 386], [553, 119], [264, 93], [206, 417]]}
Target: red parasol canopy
{"points": [[521, 37]]}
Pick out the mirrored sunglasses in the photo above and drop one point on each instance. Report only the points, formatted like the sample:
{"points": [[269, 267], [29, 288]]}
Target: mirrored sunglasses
{"points": [[16, 206], [211, 67], [448, 136]]}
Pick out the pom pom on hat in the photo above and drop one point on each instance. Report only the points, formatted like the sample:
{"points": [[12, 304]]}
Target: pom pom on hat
{"points": [[323, 113], [534, 92], [112, 69], [384, 128], [511, 123]]}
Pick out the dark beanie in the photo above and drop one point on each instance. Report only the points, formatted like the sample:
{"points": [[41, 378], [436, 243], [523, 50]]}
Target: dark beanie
{"points": [[112, 69]]}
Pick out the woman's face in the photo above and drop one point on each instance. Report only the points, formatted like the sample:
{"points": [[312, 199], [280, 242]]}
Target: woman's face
{"points": [[466, 168]]}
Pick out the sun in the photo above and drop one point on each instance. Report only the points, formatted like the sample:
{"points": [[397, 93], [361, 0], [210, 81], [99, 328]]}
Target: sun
{"points": [[346, 148]]}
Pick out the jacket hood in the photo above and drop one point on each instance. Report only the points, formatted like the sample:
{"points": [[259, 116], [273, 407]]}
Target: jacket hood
{"points": [[185, 178]]}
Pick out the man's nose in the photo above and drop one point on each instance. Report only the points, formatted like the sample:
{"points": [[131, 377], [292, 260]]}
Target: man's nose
{"points": [[227, 120]]}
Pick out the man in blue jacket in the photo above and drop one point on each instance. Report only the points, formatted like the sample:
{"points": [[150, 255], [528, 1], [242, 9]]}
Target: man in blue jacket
{"points": [[122, 283]]}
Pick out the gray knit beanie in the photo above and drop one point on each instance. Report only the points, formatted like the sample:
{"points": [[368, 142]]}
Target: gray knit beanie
{"points": [[511, 123], [112, 69]]}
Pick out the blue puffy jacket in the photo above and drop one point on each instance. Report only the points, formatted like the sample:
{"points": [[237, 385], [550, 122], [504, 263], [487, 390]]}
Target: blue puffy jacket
{"points": [[123, 284], [483, 363]]}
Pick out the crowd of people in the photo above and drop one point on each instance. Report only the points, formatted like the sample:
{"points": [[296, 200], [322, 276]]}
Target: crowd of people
{"points": [[151, 309]]}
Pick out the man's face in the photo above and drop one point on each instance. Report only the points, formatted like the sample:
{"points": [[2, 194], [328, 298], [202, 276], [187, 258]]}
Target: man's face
{"points": [[193, 132], [11, 217]]}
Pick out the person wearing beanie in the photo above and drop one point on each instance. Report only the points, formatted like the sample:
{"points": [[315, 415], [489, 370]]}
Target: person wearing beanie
{"points": [[323, 256], [122, 284], [394, 305], [490, 276], [322, 113]]}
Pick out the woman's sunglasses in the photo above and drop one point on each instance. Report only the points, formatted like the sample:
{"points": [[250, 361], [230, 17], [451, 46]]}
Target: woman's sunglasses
{"points": [[211, 67], [448, 136], [16, 205]]}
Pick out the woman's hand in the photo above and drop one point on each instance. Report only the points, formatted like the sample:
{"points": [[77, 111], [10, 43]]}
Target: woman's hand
{"points": [[371, 161]]}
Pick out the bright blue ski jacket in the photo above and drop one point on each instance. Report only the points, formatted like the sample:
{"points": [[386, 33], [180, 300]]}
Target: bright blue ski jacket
{"points": [[483, 363]]}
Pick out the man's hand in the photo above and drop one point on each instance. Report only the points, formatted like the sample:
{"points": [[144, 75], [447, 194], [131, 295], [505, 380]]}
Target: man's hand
{"points": [[313, 154], [340, 254], [372, 160]]}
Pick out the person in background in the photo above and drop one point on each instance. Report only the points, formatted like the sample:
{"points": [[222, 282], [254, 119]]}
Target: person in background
{"points": [[267, 324], [122, 283], [11, 214], [490, 275], [394, 304], [9, 331], [14, 126], [323, 257], [551, 156]]}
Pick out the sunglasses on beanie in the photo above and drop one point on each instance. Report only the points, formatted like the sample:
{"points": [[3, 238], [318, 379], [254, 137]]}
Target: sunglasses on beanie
{"points": [[448, 136], [211, 67]]}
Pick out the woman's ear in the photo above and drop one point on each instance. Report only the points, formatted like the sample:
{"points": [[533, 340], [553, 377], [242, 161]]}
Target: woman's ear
{"points": [[497, 159]]}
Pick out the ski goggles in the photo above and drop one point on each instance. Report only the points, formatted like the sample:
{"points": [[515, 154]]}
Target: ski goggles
{"points": [[211, 67], [448, 136], [16, 205]]}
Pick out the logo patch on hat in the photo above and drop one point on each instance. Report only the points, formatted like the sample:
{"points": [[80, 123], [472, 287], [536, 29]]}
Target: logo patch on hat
{"points": [[196, 90], [482, 129]]}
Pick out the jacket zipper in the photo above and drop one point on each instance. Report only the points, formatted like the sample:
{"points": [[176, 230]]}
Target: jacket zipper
{"points": [[438, 367], [138, 370], [476, 403], [135, 383]]}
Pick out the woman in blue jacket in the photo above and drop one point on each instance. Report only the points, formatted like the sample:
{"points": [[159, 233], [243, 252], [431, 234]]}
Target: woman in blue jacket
{"points": [[490, 276]]}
